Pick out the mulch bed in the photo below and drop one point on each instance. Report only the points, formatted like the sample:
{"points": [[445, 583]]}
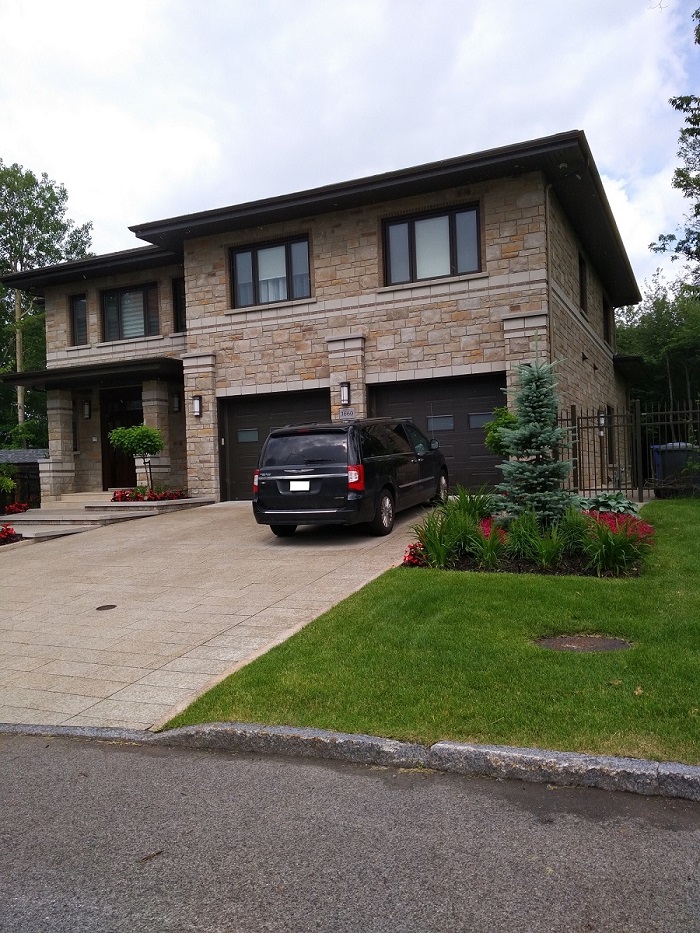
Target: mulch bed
{"points": [[10, 539], [566, 567]]}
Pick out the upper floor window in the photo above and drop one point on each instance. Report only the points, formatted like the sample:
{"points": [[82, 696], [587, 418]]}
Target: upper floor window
{"points": [[78, 320], [431, 246], [582, 284], [277, 272], [179, 316], [130, 312], [608, 322]]}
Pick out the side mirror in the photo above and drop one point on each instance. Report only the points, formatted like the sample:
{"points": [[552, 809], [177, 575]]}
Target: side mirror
{"points": [[434, 444]]}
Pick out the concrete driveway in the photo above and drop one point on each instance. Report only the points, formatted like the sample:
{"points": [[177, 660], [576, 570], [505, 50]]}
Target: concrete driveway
{"points": [[127, 624]]}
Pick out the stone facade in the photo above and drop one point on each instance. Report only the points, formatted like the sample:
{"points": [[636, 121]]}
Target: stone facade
{"points": [[536, 294]]}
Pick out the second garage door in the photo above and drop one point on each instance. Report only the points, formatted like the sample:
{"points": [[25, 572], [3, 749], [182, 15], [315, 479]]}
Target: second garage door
{"points": [[454, 412], [246, 421]]}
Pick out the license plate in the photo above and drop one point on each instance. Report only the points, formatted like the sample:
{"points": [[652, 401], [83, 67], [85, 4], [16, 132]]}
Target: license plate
{"points": [[299, 485]]}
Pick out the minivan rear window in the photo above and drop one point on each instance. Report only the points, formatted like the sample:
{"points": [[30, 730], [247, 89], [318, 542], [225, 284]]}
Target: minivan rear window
{"points": [[331, 447]]}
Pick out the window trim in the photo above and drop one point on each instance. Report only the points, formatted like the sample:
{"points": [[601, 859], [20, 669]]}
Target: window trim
{"points": [[254, 249], [75, 342], [144, 288], [411, 219]]}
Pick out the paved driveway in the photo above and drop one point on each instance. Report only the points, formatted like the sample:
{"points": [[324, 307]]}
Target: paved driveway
{"points": [[125, 625]]}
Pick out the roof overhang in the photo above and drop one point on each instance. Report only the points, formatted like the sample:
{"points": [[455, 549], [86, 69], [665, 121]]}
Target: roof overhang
{"points": [[99, 375], [565, 160], [632, 368], [36, 281]]}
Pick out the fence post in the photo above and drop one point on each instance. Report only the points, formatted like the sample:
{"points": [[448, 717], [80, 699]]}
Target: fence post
{"points": [[574, 449], [637, 421]]}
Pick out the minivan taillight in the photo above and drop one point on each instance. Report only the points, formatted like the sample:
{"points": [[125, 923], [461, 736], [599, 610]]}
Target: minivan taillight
{"points": [[356, 478], [256, 477]]}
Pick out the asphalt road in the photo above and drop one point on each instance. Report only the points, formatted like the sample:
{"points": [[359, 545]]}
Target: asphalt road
{"points": [[105, 837]]}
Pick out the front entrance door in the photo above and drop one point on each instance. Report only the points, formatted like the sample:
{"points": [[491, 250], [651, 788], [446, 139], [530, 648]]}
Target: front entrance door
{"points": [[119, 408]]}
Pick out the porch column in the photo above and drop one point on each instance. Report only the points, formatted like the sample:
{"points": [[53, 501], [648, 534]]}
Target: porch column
{"points": [[346, 358], [155, 399], [202, 428], [57, 474]]}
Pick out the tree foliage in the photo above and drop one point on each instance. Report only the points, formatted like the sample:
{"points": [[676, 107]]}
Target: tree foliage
{"points": [[34, 232], [532, 478], [138, 441], [665, 331], [686, 178]]}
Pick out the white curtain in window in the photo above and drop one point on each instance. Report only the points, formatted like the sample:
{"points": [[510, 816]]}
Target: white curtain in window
{"points": [[272, 274], [432, 247], [132, 314]]}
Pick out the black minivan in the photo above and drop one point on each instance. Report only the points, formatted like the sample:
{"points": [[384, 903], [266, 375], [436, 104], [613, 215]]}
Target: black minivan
{"points": [[345, 473]]}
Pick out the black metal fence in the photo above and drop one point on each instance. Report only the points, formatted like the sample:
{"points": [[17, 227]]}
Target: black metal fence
{"points": [[633, 451]]}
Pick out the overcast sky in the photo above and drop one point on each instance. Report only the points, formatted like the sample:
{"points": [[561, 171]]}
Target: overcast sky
{"points": [[147, 109]]}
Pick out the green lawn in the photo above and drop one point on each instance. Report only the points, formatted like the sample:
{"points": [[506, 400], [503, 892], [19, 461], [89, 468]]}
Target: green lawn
{"points": [[425, 655]]}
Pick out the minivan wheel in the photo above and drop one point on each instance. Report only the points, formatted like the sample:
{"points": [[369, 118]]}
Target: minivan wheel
{"points": [[283, 531], [383, 520], [442, 491]]}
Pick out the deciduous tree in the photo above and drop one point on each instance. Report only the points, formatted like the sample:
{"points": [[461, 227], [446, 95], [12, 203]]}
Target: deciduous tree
{"points": [[34, 232], [686, 243]]}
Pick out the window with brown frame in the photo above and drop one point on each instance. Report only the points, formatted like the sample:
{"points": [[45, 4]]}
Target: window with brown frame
{"points": [[430, 246], [130, 312], [78, 320], [179, 313], [582, 284], [271, 272]]}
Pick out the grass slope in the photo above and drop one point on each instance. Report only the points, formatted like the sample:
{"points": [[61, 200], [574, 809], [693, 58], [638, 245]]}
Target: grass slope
{"points": [[425, 655]]}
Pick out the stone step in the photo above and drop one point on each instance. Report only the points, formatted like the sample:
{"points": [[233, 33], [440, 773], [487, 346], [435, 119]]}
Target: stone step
{"points": [[75, 517], [77, 500]]}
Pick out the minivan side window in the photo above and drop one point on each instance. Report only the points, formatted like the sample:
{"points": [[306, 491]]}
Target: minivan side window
{"points": [[420, 442], [398, 440], [374, 441]]}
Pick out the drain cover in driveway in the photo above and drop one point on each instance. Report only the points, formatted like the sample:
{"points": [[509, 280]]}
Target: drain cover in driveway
{"points": [[583, 643]]}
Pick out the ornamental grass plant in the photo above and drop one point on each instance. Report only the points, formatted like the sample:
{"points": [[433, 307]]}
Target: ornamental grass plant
{"points": [[458, 535]]}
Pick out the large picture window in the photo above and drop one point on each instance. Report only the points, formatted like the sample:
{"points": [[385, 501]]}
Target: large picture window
{"points": [[130, 312], [431, 246], [276, 272], [78, 320]]}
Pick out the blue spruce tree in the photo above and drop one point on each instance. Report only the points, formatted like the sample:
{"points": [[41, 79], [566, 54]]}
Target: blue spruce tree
{"points": [[532, 478]]}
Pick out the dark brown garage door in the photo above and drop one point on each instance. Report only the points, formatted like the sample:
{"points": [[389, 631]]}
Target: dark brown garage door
{"points": [[454, 412], [246, 421]]}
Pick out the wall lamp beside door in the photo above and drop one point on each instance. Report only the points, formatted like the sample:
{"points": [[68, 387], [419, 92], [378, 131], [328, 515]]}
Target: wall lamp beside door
{"points": [[87, 409], [344, 393], [197, 406]]}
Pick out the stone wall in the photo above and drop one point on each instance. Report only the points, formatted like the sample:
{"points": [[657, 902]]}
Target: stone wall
{"points": [[58, 323]]}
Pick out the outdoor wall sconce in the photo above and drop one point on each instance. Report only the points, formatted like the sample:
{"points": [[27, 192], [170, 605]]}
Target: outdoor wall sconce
{"points": [[87, 409], [197, 406], [344, 393], [176, 402]]}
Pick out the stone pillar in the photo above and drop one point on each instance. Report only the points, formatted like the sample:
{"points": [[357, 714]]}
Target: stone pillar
{"points": [[525, 336], [346, 358], [155, 398], [202, 430], [57, 474]]}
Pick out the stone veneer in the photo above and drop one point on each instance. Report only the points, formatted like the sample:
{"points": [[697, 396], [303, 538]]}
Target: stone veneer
{"points": [[353, 328]]}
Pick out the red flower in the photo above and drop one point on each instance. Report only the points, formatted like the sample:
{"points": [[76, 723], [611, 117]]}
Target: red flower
{"points": [[486, 524]]}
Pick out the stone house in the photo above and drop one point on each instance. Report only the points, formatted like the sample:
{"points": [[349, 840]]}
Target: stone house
{"points": [[416, 292]]}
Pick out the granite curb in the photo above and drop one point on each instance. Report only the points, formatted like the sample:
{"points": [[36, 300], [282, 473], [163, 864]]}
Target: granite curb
{"points": [[636, 776]]}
